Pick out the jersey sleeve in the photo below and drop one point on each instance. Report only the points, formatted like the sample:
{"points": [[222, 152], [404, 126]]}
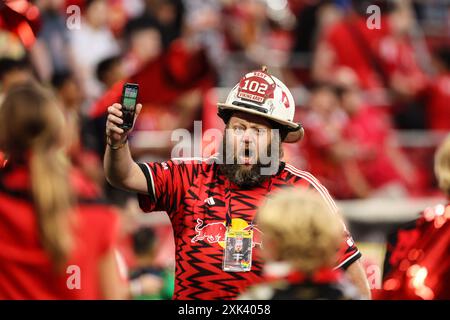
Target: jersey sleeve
{"points": [[348, 252], [167, 183]]}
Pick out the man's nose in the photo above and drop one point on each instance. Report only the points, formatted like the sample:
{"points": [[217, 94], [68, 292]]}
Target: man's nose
{"points": [[249, 135]]}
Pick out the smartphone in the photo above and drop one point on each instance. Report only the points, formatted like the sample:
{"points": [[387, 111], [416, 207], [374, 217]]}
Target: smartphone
{"points": [[129, 101]]}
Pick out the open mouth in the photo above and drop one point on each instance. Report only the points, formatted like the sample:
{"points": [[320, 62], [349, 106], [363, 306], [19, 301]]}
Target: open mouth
{"points": [[247, 157]]}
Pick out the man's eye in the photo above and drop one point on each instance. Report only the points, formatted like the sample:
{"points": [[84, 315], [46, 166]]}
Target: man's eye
{"points": [[261, 131], [238, 130]]}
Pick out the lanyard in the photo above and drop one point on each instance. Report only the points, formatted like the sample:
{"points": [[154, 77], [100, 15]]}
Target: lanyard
{"points": [[228, 194]]}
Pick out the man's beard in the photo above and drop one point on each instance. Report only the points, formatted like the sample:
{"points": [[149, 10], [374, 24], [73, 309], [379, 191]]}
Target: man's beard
{"points": [[240, 174], [243, 177]]}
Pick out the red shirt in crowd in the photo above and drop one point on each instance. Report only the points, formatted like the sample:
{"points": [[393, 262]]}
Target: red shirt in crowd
{"points": [[323, 135], [438, 107], [26, 271], [198, 198], [376, 55], [369, 130], [163, 80], [347, 49]]}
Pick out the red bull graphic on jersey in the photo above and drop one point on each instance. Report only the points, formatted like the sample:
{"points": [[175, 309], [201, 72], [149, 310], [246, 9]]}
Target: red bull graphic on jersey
{"points": [[215, 232], [211, 232]]}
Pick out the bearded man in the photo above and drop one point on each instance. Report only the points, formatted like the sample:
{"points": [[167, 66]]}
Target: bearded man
{"points": [[212, 202]]}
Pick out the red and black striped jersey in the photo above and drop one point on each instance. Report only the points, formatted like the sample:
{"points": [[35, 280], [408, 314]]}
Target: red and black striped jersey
{"points": [[197, 196]]}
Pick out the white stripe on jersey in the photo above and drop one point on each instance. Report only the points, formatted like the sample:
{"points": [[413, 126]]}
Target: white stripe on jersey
{"points": [[151, 178], [316, 184], [347, 260]]}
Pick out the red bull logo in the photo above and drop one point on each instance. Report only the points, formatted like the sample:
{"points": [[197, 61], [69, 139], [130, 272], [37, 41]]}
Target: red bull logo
{"points": [[215, 232], [212, 232]]}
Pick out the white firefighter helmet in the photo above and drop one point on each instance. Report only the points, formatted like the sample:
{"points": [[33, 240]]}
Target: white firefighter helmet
{"points": [[264, 95]]}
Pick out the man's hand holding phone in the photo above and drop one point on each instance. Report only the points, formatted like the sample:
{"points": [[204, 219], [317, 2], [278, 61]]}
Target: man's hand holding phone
{"points": [[116, 135], [121, 171]]}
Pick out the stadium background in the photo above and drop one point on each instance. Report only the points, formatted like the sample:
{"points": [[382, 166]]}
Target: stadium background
{"points": [[376, 160]]}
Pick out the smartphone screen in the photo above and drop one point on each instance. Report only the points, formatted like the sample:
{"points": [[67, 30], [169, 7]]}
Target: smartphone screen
{"points": [[129, 100]]}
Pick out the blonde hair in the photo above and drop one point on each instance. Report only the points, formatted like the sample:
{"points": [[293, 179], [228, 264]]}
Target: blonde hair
{"points": [[302, 228], [442, 165], [31, 127]]}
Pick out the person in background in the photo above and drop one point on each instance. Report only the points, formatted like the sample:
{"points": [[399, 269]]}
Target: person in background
{"points": [[417, 257], [56, 242], [156, 283], [143, 42], [91, 44], [324, 148], [376, 166], [168, 14], [349, 43], [302, 237], [403, 63], [171, 85], [12, 73], [51, 52], [438, 106], [79, 136], [383, 57], [110, 71]]}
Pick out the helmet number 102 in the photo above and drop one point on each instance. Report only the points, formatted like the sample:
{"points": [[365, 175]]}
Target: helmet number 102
{"points": [[255, 86]]}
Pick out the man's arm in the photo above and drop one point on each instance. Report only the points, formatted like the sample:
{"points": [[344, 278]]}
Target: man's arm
{"points": [[355, 273], [120, 169]]}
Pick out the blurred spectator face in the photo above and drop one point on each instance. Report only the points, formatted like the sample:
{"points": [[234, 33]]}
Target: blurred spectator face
{"points": [[70, 93], [166, 13], [323, 101], [146, 44], [68, 89], [205, 19], [350, 95], [110, 71], [116, 73], [163, 10], [328, 15], [97, 14], [401, 21], [15, 77]]}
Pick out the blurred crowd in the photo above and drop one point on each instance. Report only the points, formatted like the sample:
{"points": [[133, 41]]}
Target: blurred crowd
{"points": [[359, 80]]}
